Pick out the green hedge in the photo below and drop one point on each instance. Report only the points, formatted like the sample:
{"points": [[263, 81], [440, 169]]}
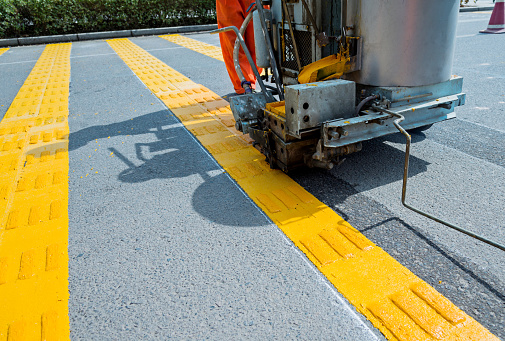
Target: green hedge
{"points": [[20, 18]]}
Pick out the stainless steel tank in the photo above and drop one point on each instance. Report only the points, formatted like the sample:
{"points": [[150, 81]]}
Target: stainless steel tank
{"points": [[405, 42]]}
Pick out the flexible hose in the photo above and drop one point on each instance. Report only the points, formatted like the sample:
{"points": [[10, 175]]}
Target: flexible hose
{"points": [[236, 48], [363, 102], [268, 96], [250, 6]]}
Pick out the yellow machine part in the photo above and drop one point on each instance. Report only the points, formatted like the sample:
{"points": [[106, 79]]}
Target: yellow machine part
{"points": [[330, 67], [277, 108]]}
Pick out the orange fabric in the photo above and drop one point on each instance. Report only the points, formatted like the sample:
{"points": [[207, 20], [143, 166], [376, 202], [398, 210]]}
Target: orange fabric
{"points": [[233, 13]]}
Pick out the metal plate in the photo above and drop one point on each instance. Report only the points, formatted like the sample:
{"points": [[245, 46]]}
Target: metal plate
{"points": [[375, 124], [309, 105], [245, 107]]}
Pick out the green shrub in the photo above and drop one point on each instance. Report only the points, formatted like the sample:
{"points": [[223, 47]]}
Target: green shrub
{"points": [[45, 17]]}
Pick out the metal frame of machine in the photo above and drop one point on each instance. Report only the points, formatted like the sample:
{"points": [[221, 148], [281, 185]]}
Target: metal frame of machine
{"points": [[344, 74], [328, 116]]}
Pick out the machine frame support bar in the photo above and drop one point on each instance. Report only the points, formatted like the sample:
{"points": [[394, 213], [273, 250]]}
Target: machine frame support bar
{"points": [[292, 33]]}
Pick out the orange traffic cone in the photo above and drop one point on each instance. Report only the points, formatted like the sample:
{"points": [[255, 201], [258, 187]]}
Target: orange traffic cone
{"points": [[497, 21]]}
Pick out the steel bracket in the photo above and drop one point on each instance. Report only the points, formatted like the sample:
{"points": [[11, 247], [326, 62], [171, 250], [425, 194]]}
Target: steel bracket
{"points": [[342, 132]]}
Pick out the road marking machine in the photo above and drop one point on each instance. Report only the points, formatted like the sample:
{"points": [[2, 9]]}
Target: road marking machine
{"points": [[340, 72]]}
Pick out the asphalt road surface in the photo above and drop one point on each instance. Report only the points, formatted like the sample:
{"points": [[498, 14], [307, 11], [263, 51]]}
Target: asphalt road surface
{"points": [[163, 244]]}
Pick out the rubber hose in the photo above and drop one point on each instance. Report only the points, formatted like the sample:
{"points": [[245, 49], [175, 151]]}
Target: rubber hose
{"points": [[363, 102]]}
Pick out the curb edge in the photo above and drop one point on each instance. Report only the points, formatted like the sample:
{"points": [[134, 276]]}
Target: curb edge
{"points": [[61, 38]]}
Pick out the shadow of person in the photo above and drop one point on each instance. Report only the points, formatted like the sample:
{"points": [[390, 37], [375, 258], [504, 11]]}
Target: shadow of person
{"points": [[140, 125], [171, 164], [164, 149]]}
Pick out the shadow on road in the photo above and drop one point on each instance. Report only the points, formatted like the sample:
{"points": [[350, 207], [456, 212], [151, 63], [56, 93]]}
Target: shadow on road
{"points": [[379, 164], [376, 165], [174, 154]]}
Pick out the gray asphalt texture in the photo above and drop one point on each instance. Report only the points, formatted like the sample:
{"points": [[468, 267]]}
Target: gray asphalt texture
{"points": [[164, 245]]}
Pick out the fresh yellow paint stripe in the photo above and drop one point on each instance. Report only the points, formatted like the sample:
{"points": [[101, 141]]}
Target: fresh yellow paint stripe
{"points": [[33, 204], [3, 50], [397, 302], [195, 45]]}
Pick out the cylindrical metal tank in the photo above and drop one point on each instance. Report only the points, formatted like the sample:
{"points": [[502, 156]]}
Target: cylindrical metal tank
{"points": [[262, 57], [405, 42]]}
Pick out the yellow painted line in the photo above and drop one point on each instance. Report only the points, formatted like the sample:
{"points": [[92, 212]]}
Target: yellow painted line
{"points": [[198, 46], [3, 50], [195, 45], [33, 204], [397, 302]]}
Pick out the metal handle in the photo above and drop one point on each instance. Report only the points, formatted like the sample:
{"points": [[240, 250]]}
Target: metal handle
{"points": [[396, 122]]}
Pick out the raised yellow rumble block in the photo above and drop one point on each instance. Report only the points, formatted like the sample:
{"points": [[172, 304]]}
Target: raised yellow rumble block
{"points": [[33, 204], [195, 45]]}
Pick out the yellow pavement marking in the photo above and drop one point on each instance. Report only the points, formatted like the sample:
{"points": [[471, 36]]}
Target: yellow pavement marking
{"points": [[397, 302], [33, 204], [195, 45], [3, 50]]}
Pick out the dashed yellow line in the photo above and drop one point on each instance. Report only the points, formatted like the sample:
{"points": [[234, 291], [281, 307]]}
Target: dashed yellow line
{"points": [[195, 45], [3, 50], [33, 204], [397, 302]]}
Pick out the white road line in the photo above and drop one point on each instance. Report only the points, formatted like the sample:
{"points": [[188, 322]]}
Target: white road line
{"points": [[92, 55], [167, 48], [107, 54], [473, 20], [26, 61], [482, 125]]}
